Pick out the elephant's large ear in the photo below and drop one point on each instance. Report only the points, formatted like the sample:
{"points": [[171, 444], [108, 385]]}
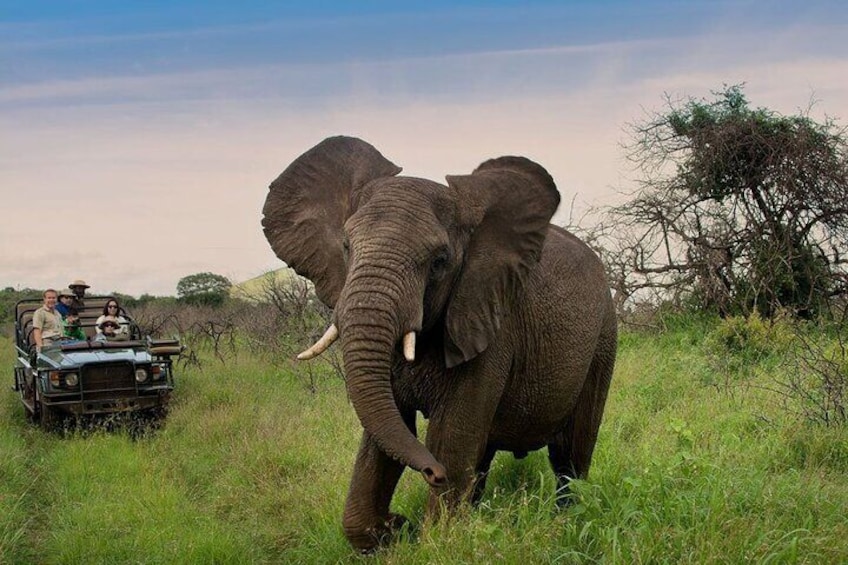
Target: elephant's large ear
{"points": [[511, 202], [308, 204]]}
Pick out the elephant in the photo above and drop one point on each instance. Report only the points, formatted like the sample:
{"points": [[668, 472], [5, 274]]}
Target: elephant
{"points": [[459, 301]]}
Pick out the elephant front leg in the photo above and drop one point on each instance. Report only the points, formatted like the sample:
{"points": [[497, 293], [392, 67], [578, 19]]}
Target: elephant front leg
{"points": [[481, 475], [367, 521]]}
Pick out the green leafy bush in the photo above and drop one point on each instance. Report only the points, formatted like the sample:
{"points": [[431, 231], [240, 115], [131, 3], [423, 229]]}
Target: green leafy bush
{"points": [[738, 344], [751, 337]]}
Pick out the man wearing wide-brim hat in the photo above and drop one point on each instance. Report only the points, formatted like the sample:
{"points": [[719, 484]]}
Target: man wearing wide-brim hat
{"points": [[78, 288]]}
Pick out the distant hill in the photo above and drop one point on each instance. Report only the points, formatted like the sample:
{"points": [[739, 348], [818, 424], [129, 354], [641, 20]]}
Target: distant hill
{"points": [[253, 287]]}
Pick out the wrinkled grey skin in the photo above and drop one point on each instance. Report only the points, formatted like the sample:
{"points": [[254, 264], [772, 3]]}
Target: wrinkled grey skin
{"points": [[516, 332]]}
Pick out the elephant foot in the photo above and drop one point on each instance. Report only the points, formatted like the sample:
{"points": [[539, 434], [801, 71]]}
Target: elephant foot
{"points": [[565, 498], [369, 539]]}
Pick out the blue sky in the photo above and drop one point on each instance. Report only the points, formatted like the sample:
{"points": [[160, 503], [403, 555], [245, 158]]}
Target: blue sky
{"points": [[172, 117]]}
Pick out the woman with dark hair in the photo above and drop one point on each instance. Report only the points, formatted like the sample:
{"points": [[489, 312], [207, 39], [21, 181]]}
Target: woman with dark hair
{"points": [[112, 311]]}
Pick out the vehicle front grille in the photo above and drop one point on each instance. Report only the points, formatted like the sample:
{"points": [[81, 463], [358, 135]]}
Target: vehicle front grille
{"points": [[107, 381]]}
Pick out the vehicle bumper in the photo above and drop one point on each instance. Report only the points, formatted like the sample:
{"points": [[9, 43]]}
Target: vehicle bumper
{"points": [[155, 399]]}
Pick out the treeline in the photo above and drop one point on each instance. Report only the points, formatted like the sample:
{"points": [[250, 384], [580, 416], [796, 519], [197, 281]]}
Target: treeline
{"points": [[10, 296], [199, 289], [276, 316]]}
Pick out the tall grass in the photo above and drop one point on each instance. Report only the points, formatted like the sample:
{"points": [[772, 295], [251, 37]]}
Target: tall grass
{"points": [[253, 463]]}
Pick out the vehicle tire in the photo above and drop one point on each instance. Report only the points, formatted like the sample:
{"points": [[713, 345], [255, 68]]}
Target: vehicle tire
{"points": [[157, 414], [146, 422], [51, 419], [28, 396], [31, 417]]}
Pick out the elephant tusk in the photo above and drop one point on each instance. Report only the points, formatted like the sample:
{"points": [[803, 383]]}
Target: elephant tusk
{"points": [[409, 346], [331, 335]]}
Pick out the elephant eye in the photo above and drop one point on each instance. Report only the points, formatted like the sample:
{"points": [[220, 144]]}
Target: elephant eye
{"points": [[346, 249], [439, 265]]}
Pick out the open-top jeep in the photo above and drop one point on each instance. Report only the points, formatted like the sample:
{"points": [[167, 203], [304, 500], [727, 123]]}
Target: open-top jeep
{"points": [[76, 377]]}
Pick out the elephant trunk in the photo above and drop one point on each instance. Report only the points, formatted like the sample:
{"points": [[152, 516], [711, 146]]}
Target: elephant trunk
{"points": [[368, 338]]}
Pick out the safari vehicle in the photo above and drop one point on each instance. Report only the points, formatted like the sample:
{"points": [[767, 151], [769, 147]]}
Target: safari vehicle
{"points": [[77, 378]]}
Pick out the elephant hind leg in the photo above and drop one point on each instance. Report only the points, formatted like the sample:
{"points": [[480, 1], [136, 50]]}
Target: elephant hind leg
{"points": [[570, 453]]}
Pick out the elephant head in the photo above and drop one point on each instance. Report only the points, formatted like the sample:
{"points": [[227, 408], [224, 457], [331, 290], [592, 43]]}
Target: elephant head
{"points": [[397, 256]]}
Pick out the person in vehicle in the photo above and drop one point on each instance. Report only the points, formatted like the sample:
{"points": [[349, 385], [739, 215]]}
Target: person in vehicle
{"points": [[109, 329], [73, 330], [78, 288], [66, 300], [113, 310], [47, 326]]}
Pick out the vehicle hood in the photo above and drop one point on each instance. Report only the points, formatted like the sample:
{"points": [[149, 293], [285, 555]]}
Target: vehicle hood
{"points": [[69, 359]]}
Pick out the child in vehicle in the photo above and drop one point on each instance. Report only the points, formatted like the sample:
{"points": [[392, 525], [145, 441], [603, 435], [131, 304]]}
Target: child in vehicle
{"points": [[73, 329]]}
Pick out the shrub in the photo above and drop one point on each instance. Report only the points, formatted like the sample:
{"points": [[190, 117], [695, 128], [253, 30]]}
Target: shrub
{"points": [[817, 387], [737, 344]]}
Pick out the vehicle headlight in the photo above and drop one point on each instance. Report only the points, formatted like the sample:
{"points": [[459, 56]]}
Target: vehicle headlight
{"points": [[63, 380], [157, 372], [140, 375]]}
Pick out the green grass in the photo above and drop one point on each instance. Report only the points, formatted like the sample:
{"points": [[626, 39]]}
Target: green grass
{"points": [[253, 467]]}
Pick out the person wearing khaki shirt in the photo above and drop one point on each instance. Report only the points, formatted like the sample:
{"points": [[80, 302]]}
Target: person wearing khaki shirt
{"points": [[46, 321]]}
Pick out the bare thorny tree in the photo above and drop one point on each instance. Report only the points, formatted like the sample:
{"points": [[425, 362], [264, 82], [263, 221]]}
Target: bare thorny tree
{"points": [[295, 319], [737, 209], [195, 325]]}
